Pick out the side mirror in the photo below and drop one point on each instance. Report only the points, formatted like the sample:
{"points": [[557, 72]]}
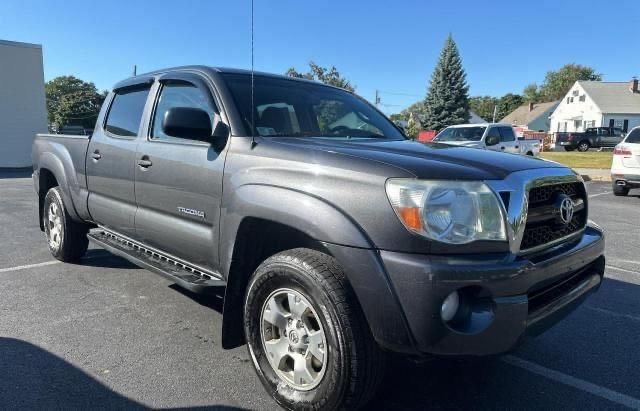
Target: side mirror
{"points": [[491, 140], [188, 123]]}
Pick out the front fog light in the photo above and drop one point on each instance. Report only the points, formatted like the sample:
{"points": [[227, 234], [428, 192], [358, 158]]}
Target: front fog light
{"points": [[450, 306]]}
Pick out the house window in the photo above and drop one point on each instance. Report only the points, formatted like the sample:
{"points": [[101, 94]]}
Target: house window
{"points": [[583, 97], [576, 124], [568, 100], [625, 125], [612, 122], [576, 92]]}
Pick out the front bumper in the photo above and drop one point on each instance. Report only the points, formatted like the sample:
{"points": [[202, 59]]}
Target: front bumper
{"points": [[508, 297]]}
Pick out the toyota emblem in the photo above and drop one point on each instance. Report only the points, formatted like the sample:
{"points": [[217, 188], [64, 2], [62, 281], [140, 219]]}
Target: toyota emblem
{"points": [[566, 210]]}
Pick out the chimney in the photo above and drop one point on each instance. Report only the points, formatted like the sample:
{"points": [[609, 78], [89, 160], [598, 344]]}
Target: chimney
{"points": [[633, 85], [531, 104]]}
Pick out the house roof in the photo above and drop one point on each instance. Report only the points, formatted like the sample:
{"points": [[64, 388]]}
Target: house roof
{"points": [[523, 116], [612, 97]]}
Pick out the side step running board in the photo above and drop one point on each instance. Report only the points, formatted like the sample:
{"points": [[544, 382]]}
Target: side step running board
{"points": [[192, 278]]}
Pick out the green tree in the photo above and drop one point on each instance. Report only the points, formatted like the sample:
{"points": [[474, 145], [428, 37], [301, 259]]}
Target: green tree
{"points": [[508, 103], [483, 106], [325, 75], [447, 101], [531, 93], [557, 83], [72, 101], [413, 127]]}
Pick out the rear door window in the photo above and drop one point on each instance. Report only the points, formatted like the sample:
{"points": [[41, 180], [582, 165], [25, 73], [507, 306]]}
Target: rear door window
{"points": [[126, 110]]}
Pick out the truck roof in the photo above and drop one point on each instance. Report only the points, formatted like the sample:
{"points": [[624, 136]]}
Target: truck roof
{"points": [[481, 125], [210, 69]]}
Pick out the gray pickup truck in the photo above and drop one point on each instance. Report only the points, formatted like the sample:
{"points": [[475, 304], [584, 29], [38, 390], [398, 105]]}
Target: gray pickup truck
{"points": [[337, 239]]}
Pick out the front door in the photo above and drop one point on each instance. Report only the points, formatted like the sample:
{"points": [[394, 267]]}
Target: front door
{"points": [[110, 162], [179, 181]]}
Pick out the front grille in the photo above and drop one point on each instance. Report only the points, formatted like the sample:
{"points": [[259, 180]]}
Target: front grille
{"points": [[544, 228]]}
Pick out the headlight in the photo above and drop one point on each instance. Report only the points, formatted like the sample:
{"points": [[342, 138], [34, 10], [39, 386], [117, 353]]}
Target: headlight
{"points": [[454, 212]]}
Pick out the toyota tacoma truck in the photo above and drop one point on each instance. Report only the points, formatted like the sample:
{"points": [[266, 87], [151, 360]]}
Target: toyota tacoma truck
{"points": [[490, 136], [338, 239]]}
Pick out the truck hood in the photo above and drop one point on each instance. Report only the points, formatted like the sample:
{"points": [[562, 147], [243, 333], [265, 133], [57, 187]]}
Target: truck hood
{"points": [[472, 144], [422, 160]]}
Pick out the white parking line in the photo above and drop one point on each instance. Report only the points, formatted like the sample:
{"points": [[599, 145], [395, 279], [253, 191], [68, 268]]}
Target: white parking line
{"points": [[600, 194], [593, 389], [25, 267], [624, 270]]}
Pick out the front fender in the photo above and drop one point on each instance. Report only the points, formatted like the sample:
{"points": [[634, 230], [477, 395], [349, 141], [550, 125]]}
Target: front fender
{"points": [[313, 216]]}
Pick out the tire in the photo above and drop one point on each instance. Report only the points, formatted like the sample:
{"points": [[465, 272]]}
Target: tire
{"points": [[67, 239], [584, 146], [352, 363], [567, 148], [620, 191]]}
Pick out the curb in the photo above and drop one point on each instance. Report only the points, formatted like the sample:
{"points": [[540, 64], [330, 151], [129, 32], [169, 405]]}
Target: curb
{"points": [[594, 174]]}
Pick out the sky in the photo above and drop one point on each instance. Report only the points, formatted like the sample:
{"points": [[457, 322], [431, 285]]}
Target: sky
{"points": [[390, 46]]}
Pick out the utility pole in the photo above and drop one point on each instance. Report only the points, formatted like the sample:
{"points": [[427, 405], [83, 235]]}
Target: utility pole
{"points": [[135, 70], [495, 112], [377, 100]]}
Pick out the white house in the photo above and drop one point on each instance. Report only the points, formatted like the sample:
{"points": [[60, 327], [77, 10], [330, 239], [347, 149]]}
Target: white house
{"points": [[598, 104], [23, 111]]}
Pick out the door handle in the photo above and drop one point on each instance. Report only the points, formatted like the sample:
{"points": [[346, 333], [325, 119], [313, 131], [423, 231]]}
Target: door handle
{"points": [[144, 162], [517, 146], [96, 155], [502, 148]]}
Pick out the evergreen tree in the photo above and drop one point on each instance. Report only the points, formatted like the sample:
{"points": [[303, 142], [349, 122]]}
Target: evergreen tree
{"points": [[447, 101]]}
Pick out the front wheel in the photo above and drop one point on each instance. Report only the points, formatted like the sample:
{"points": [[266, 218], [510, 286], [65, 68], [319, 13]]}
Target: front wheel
{"points": [[307, 336], [67, 239]]}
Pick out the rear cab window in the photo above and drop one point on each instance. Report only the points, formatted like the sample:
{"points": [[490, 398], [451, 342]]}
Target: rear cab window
{"points": [[125, 113]]}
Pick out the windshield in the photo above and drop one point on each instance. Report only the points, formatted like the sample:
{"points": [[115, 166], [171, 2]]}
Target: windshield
{"points": [[461, 134], [290, 108]]}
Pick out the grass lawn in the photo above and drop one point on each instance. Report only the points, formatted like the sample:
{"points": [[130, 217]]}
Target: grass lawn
{"points": [[576, 159]]}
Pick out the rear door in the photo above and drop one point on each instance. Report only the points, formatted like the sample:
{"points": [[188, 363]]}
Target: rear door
{"points": [[615, 137], [111, 158], [179, 187], [508, 141]]}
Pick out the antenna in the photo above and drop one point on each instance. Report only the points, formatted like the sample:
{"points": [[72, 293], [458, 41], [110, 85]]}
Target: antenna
{"points": [[253, 107]]}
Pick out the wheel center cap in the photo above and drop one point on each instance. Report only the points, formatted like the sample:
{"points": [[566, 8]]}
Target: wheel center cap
{"points": [[293, 337]]}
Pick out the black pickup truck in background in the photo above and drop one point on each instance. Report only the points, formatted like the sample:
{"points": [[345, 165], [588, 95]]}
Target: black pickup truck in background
{"points": [[593, 137], [336, 238]]}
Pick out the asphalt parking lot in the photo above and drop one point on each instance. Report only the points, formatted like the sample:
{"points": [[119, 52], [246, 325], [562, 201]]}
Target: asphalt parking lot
{"points": [[106, 334]]}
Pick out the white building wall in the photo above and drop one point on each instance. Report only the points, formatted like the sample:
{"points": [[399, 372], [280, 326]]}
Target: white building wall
{"points": [[23, 111], [575, 115]]}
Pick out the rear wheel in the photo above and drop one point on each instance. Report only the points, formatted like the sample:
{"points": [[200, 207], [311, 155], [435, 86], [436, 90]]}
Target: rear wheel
{"points": [[567, 148], [620, 190], [66, 238], [307, 336], [584, 146]]}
